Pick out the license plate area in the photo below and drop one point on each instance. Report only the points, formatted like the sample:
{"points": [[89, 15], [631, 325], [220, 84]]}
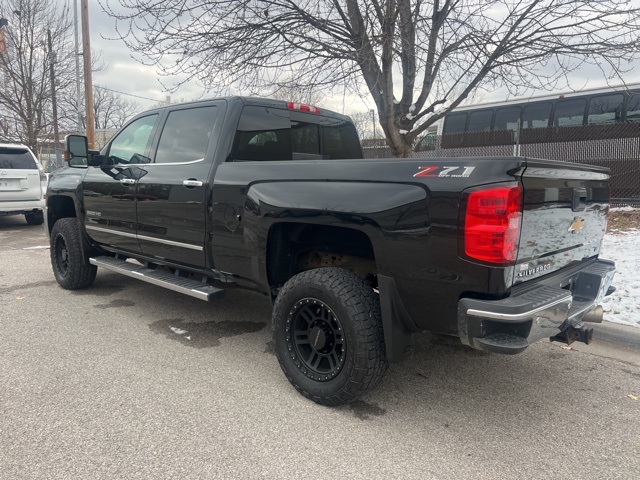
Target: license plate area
{"points": [[10, 184]]}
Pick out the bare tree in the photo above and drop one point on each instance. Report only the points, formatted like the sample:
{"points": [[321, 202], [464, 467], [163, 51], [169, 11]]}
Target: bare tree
{"points": [[25, 96], [417, 59], [363, 122], [295, 93], [111, 110]]}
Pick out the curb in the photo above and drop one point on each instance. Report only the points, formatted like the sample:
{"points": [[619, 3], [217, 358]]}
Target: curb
{"points": [[617, 335], [614, 341]]}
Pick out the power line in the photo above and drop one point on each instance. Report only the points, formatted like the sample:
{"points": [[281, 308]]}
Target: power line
{"points": [[128, 94]]}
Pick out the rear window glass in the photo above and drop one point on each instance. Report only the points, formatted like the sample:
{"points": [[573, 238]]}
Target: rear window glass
{"points": [[339, 140], [266, 133], [17, 158]]}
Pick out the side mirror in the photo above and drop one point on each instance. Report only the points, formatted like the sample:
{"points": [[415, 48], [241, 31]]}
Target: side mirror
{"points": [[76, 150]]}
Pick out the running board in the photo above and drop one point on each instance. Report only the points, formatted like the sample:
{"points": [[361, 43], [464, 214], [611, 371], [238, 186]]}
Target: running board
{"points": [[161, 278]]}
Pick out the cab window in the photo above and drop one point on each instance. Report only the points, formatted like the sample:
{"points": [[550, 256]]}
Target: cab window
{"points": [[186, 134], [263, 134], [131, 145]]}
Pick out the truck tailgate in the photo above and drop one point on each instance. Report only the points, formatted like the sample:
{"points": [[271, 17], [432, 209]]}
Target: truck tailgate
{"points": [[564, 217]]}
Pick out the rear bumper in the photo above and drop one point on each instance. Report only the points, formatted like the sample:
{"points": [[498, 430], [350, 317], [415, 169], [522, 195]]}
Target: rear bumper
{"points": [[544, 309], [15, 208]]}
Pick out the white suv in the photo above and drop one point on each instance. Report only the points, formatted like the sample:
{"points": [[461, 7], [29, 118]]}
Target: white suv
{"points": [[21, 178]]}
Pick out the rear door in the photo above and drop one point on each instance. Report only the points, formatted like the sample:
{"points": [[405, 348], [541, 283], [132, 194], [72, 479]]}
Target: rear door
{"points": [[19, 175], [172, 195]]}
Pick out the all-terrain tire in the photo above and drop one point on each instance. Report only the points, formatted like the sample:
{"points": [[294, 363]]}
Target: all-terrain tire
{"points": [[34, 218], [69, 266], [328, 335]]}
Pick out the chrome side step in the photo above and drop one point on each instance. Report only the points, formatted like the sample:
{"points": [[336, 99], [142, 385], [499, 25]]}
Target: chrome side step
{"points": [[161, 278]]}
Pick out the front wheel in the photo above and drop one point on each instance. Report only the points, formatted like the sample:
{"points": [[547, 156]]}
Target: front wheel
{"points": [[69, 265], [328, 335]]}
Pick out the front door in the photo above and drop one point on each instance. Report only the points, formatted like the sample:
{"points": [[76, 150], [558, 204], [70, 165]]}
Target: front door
{"points": [[109, 191], [172, 195]]}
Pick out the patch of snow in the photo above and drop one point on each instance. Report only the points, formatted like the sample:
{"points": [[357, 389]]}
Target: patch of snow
{"points": [[622, 209], [403, 132], [623, 306], [396, 102], [412, 108], [410, 116]]}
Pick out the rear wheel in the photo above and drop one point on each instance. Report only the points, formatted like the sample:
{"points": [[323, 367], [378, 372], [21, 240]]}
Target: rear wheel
{"points": [[69, 265], [328, 335], [34, 218]]}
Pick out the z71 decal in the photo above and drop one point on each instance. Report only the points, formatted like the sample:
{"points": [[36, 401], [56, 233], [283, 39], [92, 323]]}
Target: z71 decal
{"points": [[444, 172]]}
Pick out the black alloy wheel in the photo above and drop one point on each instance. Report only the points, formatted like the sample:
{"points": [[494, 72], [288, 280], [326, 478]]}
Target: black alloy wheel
{"points": [[315, 337], [328, 335]]}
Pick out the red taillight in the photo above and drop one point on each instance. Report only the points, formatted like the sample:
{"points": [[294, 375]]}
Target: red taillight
{"points": [[492, 224], [303, 107]]}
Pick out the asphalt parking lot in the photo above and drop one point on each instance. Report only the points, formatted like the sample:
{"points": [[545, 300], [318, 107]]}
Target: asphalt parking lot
{"points": [[127, 380]]}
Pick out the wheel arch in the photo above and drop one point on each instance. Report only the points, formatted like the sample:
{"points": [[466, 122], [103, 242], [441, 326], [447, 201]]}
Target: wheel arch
{"points": [[64, 206], [296, 247], [59, 206]]}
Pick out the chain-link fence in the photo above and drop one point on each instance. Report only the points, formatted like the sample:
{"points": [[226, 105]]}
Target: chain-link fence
{"points": [[616, 146]]}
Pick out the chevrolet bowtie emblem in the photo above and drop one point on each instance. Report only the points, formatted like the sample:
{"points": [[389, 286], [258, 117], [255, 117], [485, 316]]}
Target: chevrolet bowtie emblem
{"points": [[576, 225]]}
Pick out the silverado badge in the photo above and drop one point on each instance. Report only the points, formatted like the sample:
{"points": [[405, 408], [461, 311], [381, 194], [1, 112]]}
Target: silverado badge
{"points": [[576, 225]]}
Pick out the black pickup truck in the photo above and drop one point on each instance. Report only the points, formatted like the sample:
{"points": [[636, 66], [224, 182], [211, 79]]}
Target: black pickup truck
{"points": [[357, 255]]}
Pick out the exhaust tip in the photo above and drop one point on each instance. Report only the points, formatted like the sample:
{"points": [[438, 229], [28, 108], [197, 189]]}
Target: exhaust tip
{"points": [[594, 315]]}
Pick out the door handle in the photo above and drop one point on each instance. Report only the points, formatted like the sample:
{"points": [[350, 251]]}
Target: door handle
{"points": [[128, 181], [191, 183]]}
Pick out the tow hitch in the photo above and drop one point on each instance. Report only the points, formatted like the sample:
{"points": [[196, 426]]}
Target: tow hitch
{"points": [[572, 333]]}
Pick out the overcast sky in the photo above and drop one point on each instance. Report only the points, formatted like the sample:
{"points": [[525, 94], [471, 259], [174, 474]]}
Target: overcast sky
{"points": [[124, 74]]}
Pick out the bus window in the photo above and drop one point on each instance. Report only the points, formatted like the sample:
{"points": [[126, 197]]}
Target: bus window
{"points": [[569, 112], [428, 142], [633, 107], [605, 109], [480, 121], [536, 115], [455, 123], [507, 118]]}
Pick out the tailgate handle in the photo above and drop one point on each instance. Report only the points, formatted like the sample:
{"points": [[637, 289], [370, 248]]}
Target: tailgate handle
{"points": [[579, 202]]}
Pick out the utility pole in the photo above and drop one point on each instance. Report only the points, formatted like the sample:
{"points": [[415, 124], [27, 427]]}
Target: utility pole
{"points": [[54, 104], [77, 55], [88, 82], [3, 49], [373, 120]]}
